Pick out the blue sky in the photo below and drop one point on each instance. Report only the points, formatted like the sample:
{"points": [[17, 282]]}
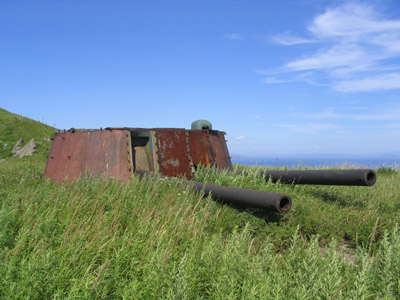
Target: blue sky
{"points": [[280, 77]]}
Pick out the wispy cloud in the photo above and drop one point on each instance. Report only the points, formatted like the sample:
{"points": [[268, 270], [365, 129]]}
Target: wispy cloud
{"points": [[289, 39], [379, 82], [309, 77], [311, 128], [394, 126], [352, 47], [241, 137], [234, 36], [389, 114]]}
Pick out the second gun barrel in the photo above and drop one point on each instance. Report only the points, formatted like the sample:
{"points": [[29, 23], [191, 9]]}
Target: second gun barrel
{"points": [[359, 177], [238, 196], [245, 197]]}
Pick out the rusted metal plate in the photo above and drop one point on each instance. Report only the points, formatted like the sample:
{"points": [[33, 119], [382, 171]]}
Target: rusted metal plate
{"points": [[200, 148], [98, 151], [173, 156], [219, 150]]}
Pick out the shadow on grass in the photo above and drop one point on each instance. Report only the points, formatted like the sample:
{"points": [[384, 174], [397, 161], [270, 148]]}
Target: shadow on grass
{"points": [[343, 202], [267, 216]]}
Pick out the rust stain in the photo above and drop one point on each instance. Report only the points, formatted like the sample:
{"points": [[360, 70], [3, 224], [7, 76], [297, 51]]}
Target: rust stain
{"points": [[118, 152], [219, 150], [97, 151], [173, 156], [200, 148]]}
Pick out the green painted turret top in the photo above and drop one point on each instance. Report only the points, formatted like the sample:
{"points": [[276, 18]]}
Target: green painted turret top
{"points": [[201, 124]]}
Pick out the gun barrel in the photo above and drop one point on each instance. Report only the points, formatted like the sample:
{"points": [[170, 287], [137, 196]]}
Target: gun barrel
{"points": [[360, 177], [245, 197], [239, 196]]}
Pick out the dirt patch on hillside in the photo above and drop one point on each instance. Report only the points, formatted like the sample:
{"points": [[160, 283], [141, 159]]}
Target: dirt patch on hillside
{"points": [[17, 146], [27, 150]]}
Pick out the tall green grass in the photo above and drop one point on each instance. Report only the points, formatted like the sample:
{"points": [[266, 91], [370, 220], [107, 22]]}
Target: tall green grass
{"points": [[348, 214], [158, 239]]}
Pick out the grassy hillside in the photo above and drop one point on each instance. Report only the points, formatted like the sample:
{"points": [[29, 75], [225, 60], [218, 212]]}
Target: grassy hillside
{"points": [[156, 239], [14, 127]]}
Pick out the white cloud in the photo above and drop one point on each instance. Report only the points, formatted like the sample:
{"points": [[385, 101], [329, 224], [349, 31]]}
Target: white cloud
{"points": [[309, 77], [379, 82], [241, 137], [311, 128], [394, 126], [350, 46], [289, 39], [233, 36], [387, 114], [347, 56], [351, 20], [275, 80]]}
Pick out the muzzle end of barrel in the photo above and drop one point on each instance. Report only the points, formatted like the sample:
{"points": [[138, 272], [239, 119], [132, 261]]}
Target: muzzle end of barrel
{"points": [[370, 177], [284, 204]]}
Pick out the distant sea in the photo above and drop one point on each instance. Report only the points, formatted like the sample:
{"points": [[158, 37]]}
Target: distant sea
{"points": [[331, 161]]}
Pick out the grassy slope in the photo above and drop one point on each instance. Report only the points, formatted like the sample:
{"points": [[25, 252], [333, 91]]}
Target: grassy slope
{"points": [[14, 127], [159, 240]]}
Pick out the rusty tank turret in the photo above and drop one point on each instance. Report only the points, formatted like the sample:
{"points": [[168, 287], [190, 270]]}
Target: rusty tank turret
{"points": [[175, 152]]}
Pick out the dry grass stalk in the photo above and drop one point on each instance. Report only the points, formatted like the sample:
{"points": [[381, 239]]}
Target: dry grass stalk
{"points": [[250, 246], [373, 234], [338, 291], [99, 275]]}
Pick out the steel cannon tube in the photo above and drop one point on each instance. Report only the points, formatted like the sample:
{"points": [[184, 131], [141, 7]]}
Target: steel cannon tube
{"points": [[239, 196], [245, 197], [360, 177]]}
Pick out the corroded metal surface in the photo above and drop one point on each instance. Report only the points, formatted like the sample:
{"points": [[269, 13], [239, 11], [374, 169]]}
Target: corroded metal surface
{"points": [[173, 156], [219, 150], [200, 147], [97, 151], [121, 151]]}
